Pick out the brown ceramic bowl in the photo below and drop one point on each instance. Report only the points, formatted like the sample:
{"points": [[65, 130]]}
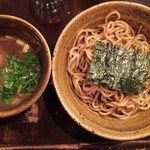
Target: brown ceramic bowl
{"points": [[11, 25], [138, 125]]}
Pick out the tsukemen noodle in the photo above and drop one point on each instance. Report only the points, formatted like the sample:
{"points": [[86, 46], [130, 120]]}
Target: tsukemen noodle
{"points": [[109, 68]]}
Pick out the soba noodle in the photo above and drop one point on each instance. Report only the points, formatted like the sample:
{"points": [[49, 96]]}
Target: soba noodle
{"points": [[98, 98]]}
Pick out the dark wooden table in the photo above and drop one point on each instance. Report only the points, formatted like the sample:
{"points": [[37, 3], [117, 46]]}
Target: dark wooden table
{"points": [[46, 125]]}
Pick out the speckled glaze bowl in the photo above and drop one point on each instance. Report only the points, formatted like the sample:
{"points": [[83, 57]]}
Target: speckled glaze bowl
{"points": [[12, 25], [138, 125]]}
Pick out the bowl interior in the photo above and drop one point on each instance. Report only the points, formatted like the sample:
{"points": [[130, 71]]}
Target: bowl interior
{"points": [[14, 26], [138, 125]]}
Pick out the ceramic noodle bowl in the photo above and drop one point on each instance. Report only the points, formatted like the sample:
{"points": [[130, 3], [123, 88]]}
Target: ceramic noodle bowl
{"points": [[18, 35], [135, 127]]}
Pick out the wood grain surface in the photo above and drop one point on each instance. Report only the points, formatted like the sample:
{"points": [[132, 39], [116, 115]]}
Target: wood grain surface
{"points": [[46, 125]]}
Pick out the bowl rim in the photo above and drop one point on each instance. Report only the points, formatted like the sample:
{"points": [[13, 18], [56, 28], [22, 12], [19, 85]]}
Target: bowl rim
{"points": [[25, 105], [56, 84]]}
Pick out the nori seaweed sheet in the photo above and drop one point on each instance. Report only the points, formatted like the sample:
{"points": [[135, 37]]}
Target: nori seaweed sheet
{"points": [[119, 68]]}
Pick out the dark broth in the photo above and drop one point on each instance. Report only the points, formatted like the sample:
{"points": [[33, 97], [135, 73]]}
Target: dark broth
{"points": [[10, 45]]}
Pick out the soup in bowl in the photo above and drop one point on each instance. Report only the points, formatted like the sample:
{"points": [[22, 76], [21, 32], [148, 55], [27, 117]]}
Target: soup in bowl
{"points": [[101, 69], [25, 65]]}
